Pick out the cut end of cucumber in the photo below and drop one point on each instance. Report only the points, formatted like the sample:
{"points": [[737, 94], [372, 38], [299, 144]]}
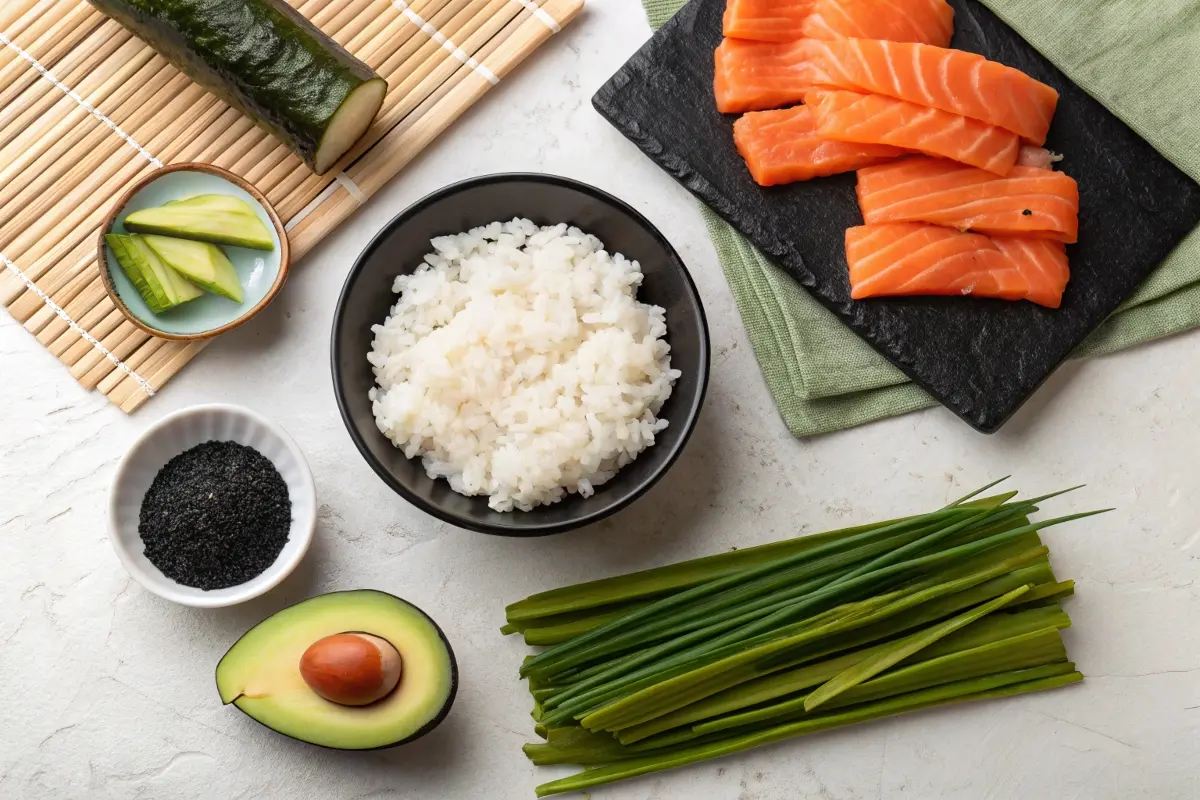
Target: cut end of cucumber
{"points": [[349, 123]]}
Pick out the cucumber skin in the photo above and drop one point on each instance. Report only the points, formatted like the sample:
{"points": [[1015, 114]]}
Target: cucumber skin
{"points": [[259, 56]]}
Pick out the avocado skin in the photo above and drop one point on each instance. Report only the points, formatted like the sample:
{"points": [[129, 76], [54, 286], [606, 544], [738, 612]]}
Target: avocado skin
{"points": [[429, 726]]}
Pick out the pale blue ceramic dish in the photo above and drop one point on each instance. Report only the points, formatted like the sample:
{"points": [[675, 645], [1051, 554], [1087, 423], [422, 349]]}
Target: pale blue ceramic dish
{"points": [[261, 274]]}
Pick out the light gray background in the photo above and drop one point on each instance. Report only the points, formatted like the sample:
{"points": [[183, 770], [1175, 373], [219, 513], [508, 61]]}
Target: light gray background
{"points": [[107, 691]]}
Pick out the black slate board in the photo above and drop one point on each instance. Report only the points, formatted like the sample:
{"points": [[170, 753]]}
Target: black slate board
{"points": [[981, 358]]}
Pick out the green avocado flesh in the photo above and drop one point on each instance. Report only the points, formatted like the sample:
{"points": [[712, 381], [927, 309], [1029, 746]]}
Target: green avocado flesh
{"points": [[160, 286], [216, 218], [200, 262], [261, 673]]}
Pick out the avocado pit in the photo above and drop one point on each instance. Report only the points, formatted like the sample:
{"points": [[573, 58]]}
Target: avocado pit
{"points": [[351, 669]]}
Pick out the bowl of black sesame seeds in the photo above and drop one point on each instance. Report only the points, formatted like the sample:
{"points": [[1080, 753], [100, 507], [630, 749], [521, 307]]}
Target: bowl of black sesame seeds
{"points": [[213, 505]]}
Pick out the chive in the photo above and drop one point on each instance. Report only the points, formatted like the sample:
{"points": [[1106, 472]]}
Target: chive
{"points": [[1000, 685], [706, 590], [994, 654], [611, 714], [687, 574], [877, 663]]}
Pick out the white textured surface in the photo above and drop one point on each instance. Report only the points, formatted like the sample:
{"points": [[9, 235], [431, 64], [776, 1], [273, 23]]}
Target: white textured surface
{"points": [[106, 691]]}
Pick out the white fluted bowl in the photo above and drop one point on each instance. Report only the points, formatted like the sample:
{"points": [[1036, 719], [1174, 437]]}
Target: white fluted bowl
{"points": [[181, 431]]}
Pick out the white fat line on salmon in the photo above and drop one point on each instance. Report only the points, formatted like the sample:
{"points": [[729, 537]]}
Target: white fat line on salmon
{"points": [[53, 306], [540, 13], [446, 43], [84, 104]]}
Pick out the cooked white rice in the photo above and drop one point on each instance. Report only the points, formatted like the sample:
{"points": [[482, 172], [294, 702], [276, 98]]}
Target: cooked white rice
{"points": [[519, 364]]}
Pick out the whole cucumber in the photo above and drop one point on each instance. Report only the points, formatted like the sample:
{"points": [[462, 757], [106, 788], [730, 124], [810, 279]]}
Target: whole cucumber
{"points": [[265, 59]]}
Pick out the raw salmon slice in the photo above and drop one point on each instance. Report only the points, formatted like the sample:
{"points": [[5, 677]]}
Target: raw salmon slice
{"points": [[926, 21], [911, 258], [755, 75], [875, 119], [766, 20], [752, 76], [784, 147], [1028, 201]]}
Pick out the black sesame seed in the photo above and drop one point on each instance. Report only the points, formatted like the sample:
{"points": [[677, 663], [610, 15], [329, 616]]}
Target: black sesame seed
{"points": [[215, 516], [1027, 213]]}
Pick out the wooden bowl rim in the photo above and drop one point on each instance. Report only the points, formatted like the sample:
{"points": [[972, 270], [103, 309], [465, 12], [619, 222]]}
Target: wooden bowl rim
{"points": [[194, 166]]}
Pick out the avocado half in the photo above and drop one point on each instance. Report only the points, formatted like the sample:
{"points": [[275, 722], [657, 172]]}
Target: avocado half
{"points": [[260, 674]]}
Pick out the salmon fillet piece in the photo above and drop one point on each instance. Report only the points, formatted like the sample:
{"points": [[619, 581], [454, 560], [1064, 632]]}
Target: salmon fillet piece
{"points": [[875, 119], [911, 258], [753, 76], [1029, 201], [750, 76], [926, 21], [784, 147], [766, 20]]}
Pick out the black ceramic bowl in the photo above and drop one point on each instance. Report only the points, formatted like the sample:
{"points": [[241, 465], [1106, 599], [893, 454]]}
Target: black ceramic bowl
{"points": [[367, 298]]}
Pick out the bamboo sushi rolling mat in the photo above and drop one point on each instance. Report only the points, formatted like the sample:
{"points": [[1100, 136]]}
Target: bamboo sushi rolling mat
{"points": [[86, 109]]}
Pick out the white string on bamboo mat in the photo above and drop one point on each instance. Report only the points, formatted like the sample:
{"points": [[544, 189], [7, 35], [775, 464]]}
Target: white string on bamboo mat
{"points": [[71, 93], [45, 298], [339, 179], [445, 42], [539, 12]]}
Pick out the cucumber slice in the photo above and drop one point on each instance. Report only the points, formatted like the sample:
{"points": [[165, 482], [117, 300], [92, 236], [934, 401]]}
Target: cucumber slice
{"points": [[200, 262], [130, 260], [171, 283], [265, 59], [216, 218]]}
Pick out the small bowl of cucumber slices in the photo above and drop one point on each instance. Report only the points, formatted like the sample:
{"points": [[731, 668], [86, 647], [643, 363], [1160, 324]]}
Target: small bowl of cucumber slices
{"points": [[192, 251]]}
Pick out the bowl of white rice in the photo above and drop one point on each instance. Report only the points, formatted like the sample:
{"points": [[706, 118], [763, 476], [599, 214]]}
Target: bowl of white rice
{"points": [[520, 354]]}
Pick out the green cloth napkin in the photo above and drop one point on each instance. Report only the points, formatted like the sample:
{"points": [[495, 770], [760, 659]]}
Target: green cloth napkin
{"points": [[1139, 58]]}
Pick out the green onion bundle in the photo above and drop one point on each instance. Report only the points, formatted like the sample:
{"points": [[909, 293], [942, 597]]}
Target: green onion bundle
{"points": [[669, 666]]}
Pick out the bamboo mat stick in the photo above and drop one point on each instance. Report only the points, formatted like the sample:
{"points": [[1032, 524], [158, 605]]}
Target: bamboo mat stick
{"points": [[94, 366], [30, 85], [153, 355], [69, 277], [79, 282], [379, 49], [137, 360], [72, 349], [181, 354], [47, 40], [120, 341], [12, 12], [22, 16], [71, 286], [73, 136], [374, 27], [18, 111], [92, 294], [353, 18], [89, 321]]}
